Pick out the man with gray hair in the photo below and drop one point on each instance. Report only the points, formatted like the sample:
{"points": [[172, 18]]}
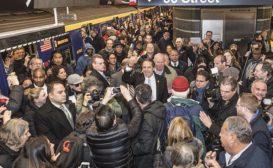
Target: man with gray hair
{"points": [[164, 70], [236, 138], [263, 71], [182, 156], [259, 89]]}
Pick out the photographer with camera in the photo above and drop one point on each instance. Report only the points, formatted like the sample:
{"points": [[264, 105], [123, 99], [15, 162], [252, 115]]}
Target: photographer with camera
{"points": [[254, 57], [92, 96], [220, 109], [92, 93]]}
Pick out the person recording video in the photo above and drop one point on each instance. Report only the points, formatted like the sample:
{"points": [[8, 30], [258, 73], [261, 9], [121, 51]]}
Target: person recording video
{"points": [[221, 109], [93, 95]]}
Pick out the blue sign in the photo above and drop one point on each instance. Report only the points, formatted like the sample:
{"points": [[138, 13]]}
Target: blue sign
{"points": [[204, 2]]}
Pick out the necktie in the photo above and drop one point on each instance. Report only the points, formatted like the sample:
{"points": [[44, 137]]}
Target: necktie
{"points": [[68, 115], [175, 64], [131, 90]]}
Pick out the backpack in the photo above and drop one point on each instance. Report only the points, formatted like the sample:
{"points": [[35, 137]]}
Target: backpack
{"points": [[74, 152], [173, 111]]}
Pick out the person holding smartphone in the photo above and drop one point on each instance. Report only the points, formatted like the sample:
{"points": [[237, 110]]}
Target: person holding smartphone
{"points": [[110, 134]]}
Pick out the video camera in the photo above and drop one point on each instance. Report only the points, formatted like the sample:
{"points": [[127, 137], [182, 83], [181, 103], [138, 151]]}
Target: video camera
{"points": [[116, 90], [213, 92], [95, 96]]}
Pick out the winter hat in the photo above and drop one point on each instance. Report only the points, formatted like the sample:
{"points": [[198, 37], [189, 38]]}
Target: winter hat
{"points": [[88, 46], [180, 84], [74, 79]]}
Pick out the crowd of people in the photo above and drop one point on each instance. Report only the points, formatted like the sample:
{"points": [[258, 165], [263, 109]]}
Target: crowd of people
{"points": [[140, 98]]}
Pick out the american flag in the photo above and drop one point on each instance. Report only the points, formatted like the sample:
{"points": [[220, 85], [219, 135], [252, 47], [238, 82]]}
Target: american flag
{"points": [[45, 45]]}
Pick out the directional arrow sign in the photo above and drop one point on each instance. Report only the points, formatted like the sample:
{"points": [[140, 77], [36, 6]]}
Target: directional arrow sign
{"points": [[28, 2]]}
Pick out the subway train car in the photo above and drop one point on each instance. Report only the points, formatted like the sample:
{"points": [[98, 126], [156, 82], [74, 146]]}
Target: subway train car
{"points": [[188, 21], [40, 38]]}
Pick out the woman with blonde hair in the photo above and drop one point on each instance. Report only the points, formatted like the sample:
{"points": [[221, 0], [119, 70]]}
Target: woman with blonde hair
{"points": [[179, 131], [36, 99], [13, 136]]}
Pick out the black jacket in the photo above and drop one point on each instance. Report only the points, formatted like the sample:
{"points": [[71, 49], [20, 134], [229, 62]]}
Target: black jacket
{"points": [[30, 111], [100, 78], [220, 111], [136, 78], [52, 122], [269, 84], [144, 145], [261, 135], [98, 43], [15, 101], [180, 68], [112, 148], [7, 156], [253, 157]]}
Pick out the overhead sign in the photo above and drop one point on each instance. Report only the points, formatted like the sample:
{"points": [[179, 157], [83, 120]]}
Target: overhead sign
{"points": [[204, 2]]}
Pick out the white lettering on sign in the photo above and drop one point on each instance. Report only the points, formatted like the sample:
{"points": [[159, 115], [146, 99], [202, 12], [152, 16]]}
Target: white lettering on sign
{"points": [[191, 1]]}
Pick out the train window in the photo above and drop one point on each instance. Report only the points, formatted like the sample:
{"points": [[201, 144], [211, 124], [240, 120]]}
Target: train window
{"points": [[67, 53]]}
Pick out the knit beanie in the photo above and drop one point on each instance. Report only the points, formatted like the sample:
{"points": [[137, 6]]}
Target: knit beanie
{"points": [[180, 84]]}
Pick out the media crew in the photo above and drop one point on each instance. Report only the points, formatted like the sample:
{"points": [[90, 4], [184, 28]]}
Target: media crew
{"points": [[220, 110], [93, 94], [202, 87]]}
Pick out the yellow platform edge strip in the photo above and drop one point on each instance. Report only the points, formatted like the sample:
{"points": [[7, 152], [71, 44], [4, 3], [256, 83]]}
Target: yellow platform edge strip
{"points": [[103, 19]]}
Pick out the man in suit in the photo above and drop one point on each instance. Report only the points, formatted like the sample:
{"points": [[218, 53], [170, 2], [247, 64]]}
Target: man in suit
{"points": [[39, 78], [240, 151], [57, 116], [117, 77], [156, 82], [164, 70], [179, 65], [99, 68], [247, 107]]}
